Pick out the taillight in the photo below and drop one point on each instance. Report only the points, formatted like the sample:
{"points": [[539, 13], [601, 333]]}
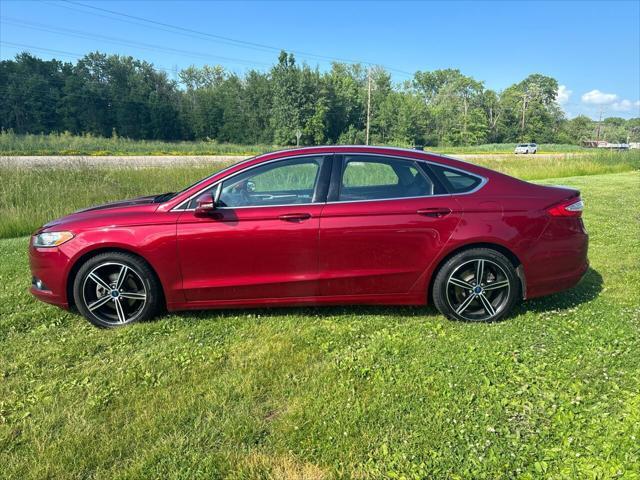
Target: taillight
{"points": [[568, 208]]}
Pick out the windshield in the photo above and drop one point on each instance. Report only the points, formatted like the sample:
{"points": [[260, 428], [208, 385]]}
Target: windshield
{"points": [[168, 196]]}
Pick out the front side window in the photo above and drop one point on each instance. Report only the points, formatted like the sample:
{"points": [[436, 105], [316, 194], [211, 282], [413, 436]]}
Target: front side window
{"points": [[379, 178], [285, 182]]}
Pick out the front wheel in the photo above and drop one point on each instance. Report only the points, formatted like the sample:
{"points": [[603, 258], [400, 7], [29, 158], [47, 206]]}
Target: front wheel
{"points": [[476, 285], [114, 289]]}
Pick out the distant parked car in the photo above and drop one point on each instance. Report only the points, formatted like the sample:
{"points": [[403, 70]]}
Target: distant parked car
{"points": [[319, 226], [526, 148]]}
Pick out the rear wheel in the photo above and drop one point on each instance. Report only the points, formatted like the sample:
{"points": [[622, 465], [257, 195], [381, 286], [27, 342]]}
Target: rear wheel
{"points": [[477, 285], [114, 289]]}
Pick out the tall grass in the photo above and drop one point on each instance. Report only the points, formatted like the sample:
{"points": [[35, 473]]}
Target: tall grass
{"points": [[508, 148], [533, 167], [30, 197], [68, 144]]}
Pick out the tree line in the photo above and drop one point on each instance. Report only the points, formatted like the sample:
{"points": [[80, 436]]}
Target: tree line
{"points": [[108, 95]]}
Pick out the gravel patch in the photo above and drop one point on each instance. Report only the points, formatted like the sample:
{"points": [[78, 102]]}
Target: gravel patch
{"points": [[75, 161], [145, 161]]}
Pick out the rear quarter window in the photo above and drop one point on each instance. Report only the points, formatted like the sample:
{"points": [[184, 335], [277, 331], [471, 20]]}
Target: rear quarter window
{"points": [[456, 181]]}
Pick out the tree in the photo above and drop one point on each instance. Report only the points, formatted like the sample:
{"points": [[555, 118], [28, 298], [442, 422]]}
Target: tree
{"points": [[455, 103], [285, 119], [533, 103], [30, 93], [101, 94]]}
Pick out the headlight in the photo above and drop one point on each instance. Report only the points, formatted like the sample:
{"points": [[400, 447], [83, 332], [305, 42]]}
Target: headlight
{"points": [[51, 239]]}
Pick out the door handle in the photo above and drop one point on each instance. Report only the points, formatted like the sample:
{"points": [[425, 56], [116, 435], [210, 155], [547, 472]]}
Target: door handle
{"points": [[436, 212], [294, 217]]}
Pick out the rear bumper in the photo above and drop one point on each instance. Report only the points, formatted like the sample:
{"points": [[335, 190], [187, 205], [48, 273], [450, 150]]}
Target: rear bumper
{"points": [[559, 259], [558, 283]]}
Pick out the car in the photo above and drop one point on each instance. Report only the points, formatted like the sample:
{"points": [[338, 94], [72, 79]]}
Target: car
{"points": [[331, 225], [526, 148]]}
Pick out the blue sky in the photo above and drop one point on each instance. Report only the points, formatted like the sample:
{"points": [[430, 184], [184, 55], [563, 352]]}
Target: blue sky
{"points": [[591, 48]]}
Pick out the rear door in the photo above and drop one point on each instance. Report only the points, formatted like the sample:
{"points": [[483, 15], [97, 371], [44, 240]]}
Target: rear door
{"points": [[385, 221]]}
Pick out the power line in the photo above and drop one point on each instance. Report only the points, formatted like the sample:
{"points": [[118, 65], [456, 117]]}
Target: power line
{"points": [[105, 38], [134, 22], [63, 52], [219, 38], [49, 50]]}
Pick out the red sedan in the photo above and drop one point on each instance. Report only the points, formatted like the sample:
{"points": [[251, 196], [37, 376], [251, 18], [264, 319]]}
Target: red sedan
{"points": [[322, 225]]}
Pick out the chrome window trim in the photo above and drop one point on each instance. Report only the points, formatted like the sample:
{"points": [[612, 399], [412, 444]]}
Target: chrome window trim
{"points": [[178, 208], [199, 182], [483, 181]]}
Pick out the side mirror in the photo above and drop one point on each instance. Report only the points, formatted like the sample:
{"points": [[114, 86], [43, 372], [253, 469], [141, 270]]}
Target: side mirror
{"points": [[205, 206]]}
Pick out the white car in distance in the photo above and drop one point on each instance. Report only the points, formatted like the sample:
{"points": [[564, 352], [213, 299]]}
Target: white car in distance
{"points": [[526, 148]]}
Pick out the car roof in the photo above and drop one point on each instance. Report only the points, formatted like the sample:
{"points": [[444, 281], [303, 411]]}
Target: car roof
{"points": [[372, 149], [412, 154], [349, 148]]}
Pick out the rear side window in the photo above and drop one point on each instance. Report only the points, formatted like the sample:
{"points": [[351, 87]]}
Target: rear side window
{"points": [[456, 181], [379, 178]]}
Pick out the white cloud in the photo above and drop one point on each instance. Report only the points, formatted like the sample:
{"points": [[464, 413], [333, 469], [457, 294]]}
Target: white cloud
{"points": [[596, 97], [563, 94], [622, 105], [625, 105]]}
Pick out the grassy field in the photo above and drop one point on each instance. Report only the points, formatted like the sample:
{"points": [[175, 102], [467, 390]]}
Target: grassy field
{"points": [[67, 144], [360, 392], [30, 197]]}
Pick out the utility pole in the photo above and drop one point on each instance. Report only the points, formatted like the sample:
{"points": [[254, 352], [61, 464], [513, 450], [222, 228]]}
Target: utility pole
{"points": [[368, 105], [599, 124]]}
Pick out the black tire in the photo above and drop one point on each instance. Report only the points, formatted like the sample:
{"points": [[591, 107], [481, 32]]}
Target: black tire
{"points": [[114, 289], [456, 293]]}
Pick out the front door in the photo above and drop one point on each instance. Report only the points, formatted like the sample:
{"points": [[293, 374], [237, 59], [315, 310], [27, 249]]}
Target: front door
{"points": [[385, 222], [262, 239]]}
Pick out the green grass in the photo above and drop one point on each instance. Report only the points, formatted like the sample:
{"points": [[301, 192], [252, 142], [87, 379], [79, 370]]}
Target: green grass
{"points": [[353, 392], [536, 168], [67, 144], [508, 148], [30, 197]]}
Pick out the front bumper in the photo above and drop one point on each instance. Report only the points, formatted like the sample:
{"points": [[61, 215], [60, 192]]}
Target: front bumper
{"points": [[50, 266]]}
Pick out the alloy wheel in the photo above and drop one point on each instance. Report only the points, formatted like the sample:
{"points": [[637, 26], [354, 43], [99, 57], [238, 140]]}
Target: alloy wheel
{"points": [[114, 293], [478, 290]]}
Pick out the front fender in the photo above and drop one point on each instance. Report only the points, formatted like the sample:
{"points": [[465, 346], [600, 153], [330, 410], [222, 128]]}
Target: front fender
{"points": [[156, 244]]}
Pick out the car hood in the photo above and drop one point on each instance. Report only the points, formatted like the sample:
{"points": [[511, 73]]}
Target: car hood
{"points": [[119, 204], [112, 213]]}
